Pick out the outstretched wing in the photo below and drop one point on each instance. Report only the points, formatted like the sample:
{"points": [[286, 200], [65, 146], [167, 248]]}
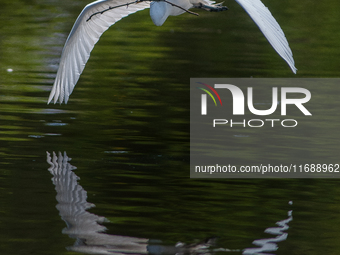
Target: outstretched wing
{"points": [[270, 28], [92, 22]]}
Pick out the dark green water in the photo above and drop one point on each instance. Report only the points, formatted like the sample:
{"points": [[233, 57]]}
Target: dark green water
{"points": [[126, 128]]}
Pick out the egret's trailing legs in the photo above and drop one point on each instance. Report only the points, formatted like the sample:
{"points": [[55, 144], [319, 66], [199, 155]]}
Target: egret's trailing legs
{"points": [[211, 7]]}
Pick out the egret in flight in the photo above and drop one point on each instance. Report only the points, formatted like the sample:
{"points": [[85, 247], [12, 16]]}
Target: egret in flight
{"points": [[98, 16]]}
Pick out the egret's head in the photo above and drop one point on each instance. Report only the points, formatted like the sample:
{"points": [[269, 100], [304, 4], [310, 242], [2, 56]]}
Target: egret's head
{"points": [[159, 12]]}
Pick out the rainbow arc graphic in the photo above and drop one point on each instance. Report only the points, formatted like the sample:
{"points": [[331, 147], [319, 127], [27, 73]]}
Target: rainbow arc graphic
{"points": [[204, 98]]}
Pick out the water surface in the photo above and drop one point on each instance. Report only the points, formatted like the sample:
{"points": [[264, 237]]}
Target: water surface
{"points": [[126, 128]]}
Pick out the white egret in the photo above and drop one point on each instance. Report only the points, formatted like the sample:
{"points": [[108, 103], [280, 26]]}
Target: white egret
{"points": [[98, 16]]}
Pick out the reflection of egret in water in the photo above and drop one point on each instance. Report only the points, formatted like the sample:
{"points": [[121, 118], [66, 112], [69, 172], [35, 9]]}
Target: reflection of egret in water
{"points": [[269, 244], [82, 225], [85, 227], [89, 234]]}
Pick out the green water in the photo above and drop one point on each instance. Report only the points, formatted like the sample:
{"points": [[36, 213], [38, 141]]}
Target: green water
{"points": [[126, 128]]}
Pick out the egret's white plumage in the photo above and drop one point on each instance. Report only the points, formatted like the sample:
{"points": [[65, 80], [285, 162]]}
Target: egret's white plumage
{"points": [[98, 16], [270, 28]]}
